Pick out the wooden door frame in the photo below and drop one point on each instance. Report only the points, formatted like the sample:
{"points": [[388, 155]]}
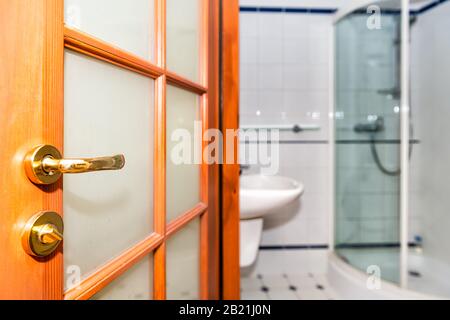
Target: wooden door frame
{"points": [[230, 172], [32, 82], [31, 60]]}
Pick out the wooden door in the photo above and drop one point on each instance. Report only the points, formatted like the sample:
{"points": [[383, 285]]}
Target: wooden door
{"points": [[97, 78]]}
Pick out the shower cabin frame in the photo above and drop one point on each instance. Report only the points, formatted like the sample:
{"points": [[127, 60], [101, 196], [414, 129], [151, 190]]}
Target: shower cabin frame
{"points": [[404, 137]]}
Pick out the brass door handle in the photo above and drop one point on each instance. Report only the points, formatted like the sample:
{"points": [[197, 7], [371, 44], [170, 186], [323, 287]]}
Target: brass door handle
{"points": [[45, 165]]}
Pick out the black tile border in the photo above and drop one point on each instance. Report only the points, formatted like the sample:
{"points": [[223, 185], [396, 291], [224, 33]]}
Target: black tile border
{"points": [[295, 247], [286, 142], [344, 141], [289, 10], [337, 247], [328, 11]]}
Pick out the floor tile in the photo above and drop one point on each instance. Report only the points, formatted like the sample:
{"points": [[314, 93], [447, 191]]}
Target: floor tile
{"points": [[287, 287], [322, 280], [275, 281], [251, 284], [312, 294], [302, 282], [254, 295], [278, 294], [331, 294]]}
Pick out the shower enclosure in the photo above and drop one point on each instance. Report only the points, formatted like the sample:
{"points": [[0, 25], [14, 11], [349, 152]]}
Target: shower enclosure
{"points": [[391, 113]]}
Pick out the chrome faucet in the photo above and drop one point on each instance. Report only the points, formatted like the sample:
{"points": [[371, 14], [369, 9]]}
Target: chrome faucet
{"points": [[374, 126]]}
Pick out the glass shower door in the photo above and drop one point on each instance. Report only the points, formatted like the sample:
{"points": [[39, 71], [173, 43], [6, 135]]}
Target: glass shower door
{"points": [[367, 139]]}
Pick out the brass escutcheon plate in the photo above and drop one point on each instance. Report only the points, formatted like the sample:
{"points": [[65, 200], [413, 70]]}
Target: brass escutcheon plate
{"points": [[33, 165], [31, 242]]}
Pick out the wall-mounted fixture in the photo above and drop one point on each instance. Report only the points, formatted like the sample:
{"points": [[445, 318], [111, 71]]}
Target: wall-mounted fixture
{"points": [[296, 128]]}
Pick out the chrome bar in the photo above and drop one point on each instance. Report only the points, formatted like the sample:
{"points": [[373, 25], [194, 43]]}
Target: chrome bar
{"points": [[296, 128]]}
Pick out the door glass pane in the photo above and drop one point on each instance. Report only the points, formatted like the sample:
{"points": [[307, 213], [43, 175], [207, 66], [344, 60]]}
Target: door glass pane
{"points": [[183, 37], [183, 174], [107, 111], [126, 24], [183, 263], [135, 284], [367, 124]]}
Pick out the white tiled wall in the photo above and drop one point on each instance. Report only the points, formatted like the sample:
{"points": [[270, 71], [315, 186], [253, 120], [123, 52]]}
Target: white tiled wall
{"points": [[284, 70], [430, 163], [306, 221], [285, 80], [300, 3]]}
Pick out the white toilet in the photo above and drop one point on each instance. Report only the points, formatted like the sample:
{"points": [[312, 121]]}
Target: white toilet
{"points": [[261, 195]]}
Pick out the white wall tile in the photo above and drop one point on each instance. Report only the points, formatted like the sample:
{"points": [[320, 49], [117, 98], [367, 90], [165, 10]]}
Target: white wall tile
{"points": [[285, 80], [299, 3], [249, 50], [429, 201], [319, 50], [319, 77], [271, 25], [271, 76], [249, 25], [270, 49], [250, 75], [296, 77], [296, 27], [295, 49]]}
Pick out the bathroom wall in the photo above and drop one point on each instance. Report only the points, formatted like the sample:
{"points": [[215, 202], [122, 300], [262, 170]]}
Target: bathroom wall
{"points": [[285, 80], [430, 163], [285, 61], [368, 201]]}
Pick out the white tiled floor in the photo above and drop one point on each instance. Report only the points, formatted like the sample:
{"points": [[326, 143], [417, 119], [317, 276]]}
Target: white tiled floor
{"points": [[287, 287]]}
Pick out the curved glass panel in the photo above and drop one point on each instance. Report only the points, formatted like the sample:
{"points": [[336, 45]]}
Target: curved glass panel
{"points": [[367, 134]]}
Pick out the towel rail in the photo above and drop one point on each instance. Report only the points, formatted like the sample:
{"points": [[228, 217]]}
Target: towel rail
{"points": [[296, 128]]}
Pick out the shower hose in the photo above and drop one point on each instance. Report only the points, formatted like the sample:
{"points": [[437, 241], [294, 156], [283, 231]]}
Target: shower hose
{"points": [[377, 159]]}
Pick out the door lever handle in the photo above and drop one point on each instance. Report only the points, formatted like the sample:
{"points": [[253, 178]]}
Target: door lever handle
{"points": [[45, 164], [52, 165]]}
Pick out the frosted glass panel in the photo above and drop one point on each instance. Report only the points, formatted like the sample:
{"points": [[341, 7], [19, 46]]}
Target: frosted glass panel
{"points": [[183, 263], [183, 175], [135, 284], [107, 111], [183, 37], [126, 24]]}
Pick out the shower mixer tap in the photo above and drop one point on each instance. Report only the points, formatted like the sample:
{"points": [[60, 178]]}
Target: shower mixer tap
{"points": [[373, 126]]}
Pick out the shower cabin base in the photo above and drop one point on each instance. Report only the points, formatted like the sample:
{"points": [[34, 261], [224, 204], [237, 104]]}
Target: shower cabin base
{"points": [[351, 283]]}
